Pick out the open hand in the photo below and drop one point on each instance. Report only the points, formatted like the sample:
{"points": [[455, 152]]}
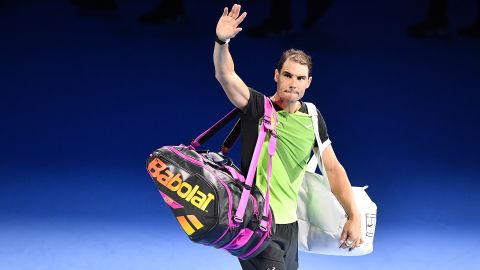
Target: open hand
{"points": [[227, 26]]}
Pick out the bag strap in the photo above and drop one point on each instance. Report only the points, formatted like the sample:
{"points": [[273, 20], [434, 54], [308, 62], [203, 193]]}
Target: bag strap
{"points": [[316, 159], [268, 126], [231, 138], [207, 134]]}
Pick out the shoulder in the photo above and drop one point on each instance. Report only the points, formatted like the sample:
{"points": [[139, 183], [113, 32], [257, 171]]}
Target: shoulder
{"points": [[304, 109], [254, 94], [322, 126], [255, 105]]}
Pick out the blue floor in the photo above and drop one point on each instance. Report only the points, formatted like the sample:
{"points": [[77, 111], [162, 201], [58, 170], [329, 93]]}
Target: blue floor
{"points": [[99, 224], [147, 244], [85, 96]]}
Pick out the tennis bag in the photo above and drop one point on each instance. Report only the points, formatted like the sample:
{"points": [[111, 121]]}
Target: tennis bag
{"points": [[212, 201], [321, 217]]}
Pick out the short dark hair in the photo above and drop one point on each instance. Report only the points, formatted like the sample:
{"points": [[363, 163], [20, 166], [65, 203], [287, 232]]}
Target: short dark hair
{"points": [[297, 56]]}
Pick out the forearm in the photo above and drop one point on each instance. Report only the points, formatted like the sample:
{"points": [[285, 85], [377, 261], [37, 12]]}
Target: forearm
{"points": [[223, 62], [236, 90], [342, 190], [227, 27]]}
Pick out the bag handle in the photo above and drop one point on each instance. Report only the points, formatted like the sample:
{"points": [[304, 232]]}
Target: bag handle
{"points": [[207, 134], [231, 138]]}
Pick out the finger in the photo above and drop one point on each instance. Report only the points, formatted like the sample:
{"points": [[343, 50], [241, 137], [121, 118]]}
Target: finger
{"points": [[354, 246], [239, 7], [350, 244], [225, 11], [241, 18], [237, 30], [347, 244], [235, 11], [343, 238], [357, 243], [232, 11]]}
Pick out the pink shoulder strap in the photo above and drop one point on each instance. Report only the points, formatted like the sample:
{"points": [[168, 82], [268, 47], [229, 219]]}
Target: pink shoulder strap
{"points": [[268, 126]]}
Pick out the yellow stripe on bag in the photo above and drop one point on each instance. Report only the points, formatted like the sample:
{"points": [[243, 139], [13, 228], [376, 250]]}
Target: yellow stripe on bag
{"points": [[198, 225], [185, 225]]}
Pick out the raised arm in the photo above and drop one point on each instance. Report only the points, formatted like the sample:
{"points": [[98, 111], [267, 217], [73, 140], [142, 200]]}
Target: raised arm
{"points": [[227, 28]]}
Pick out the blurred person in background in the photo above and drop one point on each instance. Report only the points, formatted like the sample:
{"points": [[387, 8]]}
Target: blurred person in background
{"points": [[437, 22], [167, 11], [279, 21]]}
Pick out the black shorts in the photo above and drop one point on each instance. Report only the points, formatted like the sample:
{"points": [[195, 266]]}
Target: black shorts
{"points": [[280, 254]]}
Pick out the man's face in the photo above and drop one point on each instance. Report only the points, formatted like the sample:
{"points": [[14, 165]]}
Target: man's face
{"points": [[292, 81]]}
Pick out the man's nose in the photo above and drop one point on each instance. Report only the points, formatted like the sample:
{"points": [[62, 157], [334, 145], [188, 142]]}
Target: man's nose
{"points": [[293, 83]]}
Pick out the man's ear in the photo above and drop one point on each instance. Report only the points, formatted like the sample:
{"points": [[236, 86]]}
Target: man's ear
{"points": [[309, 81], [275, 77]]}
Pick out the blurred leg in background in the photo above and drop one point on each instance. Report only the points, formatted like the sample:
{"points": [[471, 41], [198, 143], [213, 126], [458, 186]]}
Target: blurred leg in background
{"points": [[473, 30], [102, 5], [279, 21], [315, 10], [436, 22], [167, 11]]}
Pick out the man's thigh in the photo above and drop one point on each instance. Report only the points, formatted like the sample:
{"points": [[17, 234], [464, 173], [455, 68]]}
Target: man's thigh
{"points": [[272, 258]]}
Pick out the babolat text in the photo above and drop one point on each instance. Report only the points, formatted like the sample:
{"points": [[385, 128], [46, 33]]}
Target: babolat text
{"points": [[158, 170]]}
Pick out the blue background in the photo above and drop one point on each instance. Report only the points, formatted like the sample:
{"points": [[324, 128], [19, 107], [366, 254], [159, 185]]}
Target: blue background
{"points": [[86, 96]]}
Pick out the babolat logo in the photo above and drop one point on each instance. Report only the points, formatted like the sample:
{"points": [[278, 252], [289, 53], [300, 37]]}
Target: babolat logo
{"points": [[186, 225], [159, 171]]}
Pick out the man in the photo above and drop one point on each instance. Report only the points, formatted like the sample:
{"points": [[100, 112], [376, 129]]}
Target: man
{"points": [[295, 139]]}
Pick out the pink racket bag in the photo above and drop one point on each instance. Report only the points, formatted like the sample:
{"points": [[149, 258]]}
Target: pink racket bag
{"points": [[212, 201]]}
